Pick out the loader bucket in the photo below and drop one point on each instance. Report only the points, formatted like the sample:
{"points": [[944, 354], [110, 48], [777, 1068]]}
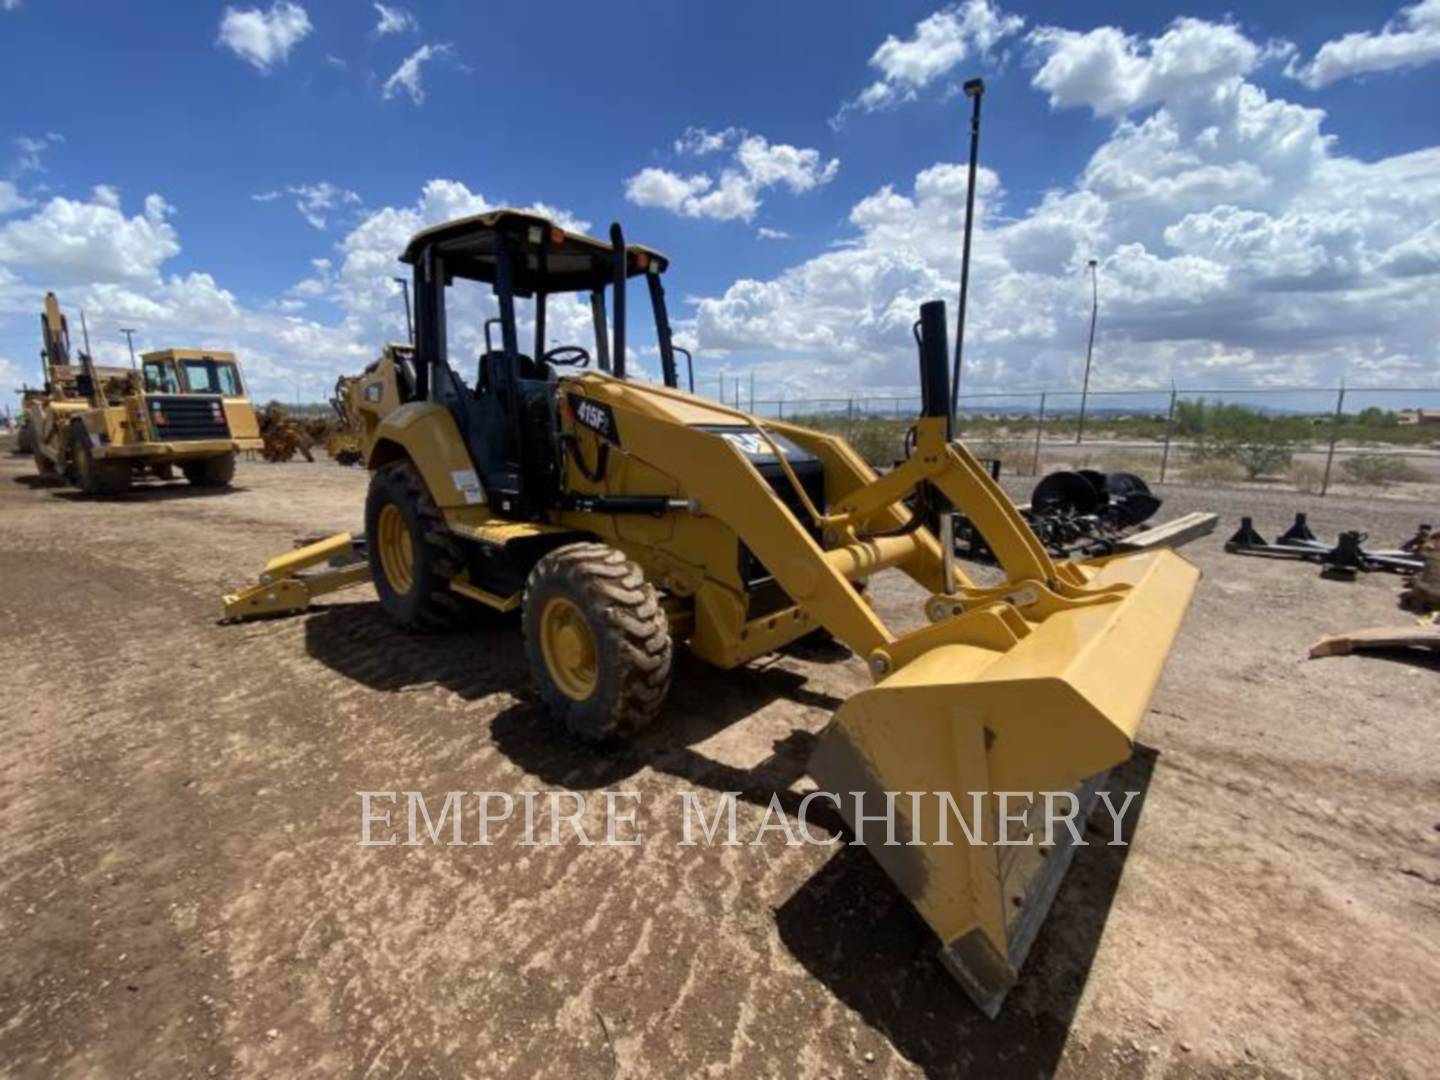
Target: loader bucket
{"points": [[1053, 713]]}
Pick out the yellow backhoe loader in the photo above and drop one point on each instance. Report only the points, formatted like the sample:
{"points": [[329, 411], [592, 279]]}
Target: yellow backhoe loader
{"points": [[102, 427], [623, 518]]}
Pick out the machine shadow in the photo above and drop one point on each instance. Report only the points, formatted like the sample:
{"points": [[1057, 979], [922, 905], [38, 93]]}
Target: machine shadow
{"points": [[703, 701], [853, 930], [847, 925], [146, 493], [1400, 654], [359, 641]]}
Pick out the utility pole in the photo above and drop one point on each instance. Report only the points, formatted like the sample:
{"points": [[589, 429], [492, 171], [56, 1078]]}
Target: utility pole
{"points": [[974, 90], [130, 341], [1089, 349], [404, 284]]}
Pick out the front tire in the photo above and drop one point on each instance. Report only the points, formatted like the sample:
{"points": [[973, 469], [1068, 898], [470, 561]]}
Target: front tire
{"points": [[211, 471], [597, 640], [412, 555], [90, 476]]}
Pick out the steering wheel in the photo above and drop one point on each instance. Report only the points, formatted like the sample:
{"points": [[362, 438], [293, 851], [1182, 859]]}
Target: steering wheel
{"points": [[567, 356]]}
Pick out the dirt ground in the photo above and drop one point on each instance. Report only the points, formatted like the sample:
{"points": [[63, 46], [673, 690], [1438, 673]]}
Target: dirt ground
{"points": [[183, 893]]}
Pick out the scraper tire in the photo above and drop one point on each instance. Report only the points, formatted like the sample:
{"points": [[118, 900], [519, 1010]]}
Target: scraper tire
{"points": [[216, 471], [90, 476], [597, 640], [413, 557]]}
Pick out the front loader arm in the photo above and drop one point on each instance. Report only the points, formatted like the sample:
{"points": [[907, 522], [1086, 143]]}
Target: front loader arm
{"points": [[728, 488]]}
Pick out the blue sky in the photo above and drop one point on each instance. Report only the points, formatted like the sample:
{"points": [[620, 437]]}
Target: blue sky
{"points": [[1262, 193]]}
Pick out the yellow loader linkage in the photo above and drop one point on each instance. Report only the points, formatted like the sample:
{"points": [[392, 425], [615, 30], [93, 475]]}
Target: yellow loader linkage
{"points": [[625, 518]]}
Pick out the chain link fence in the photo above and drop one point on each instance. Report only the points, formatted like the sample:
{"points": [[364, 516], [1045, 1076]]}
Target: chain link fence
{"points": [[1311, 439]]}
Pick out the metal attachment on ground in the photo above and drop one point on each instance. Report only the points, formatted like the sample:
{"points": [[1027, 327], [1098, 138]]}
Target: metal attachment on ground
{"points": [[1246, 537], [1299, 533], [1075, 513], [1341, 561]]}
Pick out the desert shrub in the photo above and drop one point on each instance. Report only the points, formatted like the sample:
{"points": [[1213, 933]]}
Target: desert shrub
{"points": [[1260, 444], [1145, 466], [1378, 470], [1016, 459], [1306, 477], [879, 442], [1263, 456], [1213, 470]]}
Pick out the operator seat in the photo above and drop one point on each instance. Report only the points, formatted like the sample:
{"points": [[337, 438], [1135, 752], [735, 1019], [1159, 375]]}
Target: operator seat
{"points": [[527, 369]]}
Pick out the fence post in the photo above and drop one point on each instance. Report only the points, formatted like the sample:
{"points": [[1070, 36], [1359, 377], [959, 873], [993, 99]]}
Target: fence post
{"points": [[1039, 430], [1334, 437], [1169, 433]]}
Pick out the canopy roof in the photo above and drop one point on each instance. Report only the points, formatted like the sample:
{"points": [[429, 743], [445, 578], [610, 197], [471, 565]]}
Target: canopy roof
{"points": [[574, 262]]}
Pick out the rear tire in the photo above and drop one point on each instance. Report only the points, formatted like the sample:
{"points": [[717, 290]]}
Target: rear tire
{"points": [[597, 640], [211, 471], [413, 557], [90, 476]]}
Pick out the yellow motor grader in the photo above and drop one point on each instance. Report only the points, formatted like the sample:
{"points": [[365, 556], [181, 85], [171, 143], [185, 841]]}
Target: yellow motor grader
{"points": [[102, 427], [623, 519]]}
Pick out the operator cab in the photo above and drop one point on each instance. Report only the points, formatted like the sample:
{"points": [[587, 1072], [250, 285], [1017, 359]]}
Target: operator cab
{"points": [[178, 371], [507, 415]]}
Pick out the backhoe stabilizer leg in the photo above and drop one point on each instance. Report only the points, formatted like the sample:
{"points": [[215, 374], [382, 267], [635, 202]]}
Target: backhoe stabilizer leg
{"points": [[284, 590]]}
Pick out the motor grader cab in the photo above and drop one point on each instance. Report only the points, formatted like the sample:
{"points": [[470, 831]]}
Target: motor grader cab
{"points": [[625, 518], [103, 427]]}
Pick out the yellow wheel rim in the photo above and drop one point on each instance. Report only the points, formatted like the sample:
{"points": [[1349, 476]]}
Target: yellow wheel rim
{"points": [[569, 648], [397, 554]]}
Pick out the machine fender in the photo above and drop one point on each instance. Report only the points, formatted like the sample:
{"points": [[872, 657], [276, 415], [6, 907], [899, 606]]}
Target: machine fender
{"points": [[426, 433]]}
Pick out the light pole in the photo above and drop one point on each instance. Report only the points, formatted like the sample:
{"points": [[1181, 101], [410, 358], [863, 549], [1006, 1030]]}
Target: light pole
{"points": [[404, 284], [974, 90], [1089, 349], [129, 340]]}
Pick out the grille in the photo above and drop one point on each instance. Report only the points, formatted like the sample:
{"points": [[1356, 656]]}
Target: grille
{"points": [[179, 418]]}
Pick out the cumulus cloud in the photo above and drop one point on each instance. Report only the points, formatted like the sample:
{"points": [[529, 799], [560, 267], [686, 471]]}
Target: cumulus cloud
{"points": [[766, 233], [31, 152], [1410, 39], [316, 202], [91, 240], [394, 20], [10, 198], [935, 47], [407, 78], [755, 164], [111, 260], [1237, 246], [1111, 72], [264, 38], [697, 140]]}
